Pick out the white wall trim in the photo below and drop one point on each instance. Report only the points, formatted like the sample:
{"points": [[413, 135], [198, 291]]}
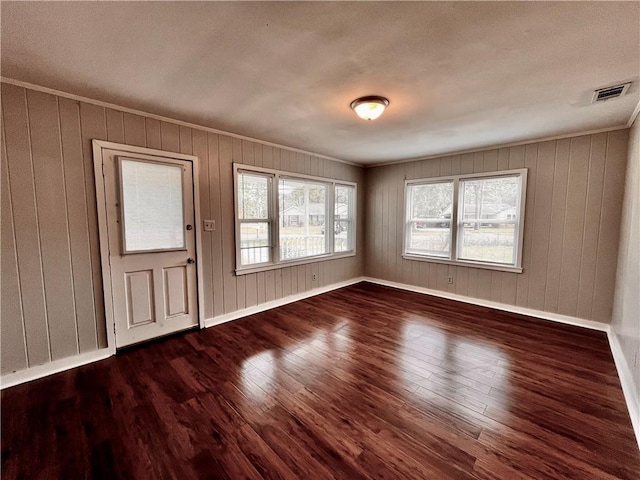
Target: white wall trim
{"points": [[80, 98], [501, 145], [245, 312], [634, 115], [39, 371], [626, 380], [554, 317]]}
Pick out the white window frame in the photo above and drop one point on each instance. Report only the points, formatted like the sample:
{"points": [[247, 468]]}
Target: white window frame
{"points": [[274, 219], [457, 222]]}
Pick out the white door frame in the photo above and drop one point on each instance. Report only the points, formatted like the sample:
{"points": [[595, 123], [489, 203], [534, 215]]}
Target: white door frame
{"points": [[98, 162]]}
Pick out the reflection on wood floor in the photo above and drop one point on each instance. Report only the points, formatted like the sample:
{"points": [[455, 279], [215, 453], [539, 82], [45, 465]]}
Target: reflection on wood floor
{"points": [[362, 382]]}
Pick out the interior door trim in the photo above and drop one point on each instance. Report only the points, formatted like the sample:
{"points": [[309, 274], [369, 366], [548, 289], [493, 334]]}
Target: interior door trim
{"points": [[98, 161]]}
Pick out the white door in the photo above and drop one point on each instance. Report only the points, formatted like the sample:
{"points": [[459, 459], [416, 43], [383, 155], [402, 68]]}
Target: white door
{"points": [[150, 225]]}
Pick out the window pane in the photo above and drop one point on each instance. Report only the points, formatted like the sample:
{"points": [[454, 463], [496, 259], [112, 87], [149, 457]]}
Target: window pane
{"points": [[254, 243], [429, 229], [253, 196], [152, 206], [490, 210], [343, 218], [302, 212]]}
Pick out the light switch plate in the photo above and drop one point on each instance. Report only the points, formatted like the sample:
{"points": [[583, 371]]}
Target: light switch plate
{"points": [[209, 225]]}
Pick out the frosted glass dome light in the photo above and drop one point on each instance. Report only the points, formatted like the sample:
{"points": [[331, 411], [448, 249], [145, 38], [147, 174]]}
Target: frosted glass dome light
{"points": [[369, 108]]}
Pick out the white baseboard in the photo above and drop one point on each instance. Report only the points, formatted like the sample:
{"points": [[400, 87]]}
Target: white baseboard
{"points": [[39, 371], [245, 312], [554, 317], [626, 380]]}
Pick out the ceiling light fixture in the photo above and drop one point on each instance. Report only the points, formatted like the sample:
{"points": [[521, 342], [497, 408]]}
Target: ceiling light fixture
{"points": [[369, 108]]}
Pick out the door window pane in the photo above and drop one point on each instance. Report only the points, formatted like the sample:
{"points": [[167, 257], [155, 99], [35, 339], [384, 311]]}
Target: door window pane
{"points": [[302, 212], [490, 210], [152, 206], [429, 223]]}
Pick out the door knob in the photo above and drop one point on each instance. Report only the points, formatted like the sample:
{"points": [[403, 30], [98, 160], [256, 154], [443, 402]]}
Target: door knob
{"points": [[190, 260], [189, 227]]}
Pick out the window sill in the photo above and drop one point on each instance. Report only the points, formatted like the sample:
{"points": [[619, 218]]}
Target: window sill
{"points": [[293, 263], [462, 263]]}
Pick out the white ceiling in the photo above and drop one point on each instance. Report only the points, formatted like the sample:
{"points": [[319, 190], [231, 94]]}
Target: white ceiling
{"points": [[459, 75]]}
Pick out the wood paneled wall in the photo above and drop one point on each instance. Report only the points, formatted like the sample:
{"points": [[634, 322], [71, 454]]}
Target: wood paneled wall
{"points": [[572, 223], [52, 299]]}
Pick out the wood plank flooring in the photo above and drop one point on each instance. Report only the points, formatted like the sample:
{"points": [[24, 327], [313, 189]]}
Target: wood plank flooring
{"points": [[362, 382]]}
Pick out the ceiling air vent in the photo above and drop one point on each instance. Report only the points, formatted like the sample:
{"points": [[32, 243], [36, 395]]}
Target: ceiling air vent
{"points": [[603, 94]]}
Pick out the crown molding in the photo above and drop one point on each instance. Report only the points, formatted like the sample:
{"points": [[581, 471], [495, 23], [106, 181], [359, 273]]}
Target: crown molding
{"points": [[634, 115]]}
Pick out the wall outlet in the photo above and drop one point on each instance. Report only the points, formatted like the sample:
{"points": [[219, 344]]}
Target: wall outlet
{"points": [[314, 277], [209, 225], [450, 279]]}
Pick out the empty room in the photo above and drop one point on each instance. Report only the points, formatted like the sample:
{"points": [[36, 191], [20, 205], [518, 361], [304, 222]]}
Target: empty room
{"points": [[318, 240]]}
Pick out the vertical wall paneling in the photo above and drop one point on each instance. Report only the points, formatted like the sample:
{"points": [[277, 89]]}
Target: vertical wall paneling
{"points": [[169, 137], [134, 130], [595, 184], [572, 217], [48, 174], [216, 236], [14, 349], [74, 174], [152, 131], [185, 140], [612, 196], [227, 223], [574, 225], [556, 234], [200, 149], [115, 126], [27, 240], [541, 222], [93, 127]]}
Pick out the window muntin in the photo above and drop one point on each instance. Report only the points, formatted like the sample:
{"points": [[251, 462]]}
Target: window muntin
{"points": [[304, 216], [468, 219], [254, 217]]}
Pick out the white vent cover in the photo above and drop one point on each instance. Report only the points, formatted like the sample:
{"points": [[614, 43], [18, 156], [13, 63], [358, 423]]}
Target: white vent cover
{"points": [[604, 94]]}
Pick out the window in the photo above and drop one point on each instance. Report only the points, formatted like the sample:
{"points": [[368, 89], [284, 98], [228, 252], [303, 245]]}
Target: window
{"points": [[254, 217], [467, 219], [284, 218]]}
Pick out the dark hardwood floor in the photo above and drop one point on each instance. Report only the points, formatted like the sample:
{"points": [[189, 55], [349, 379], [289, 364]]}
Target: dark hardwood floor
{"points": [[362, 382]]}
